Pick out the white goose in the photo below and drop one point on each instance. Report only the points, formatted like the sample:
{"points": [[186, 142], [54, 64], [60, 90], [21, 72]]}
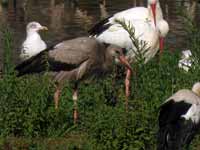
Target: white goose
{"points": [[33, 43]]}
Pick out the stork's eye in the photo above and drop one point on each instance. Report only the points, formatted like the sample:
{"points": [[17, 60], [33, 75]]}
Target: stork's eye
{"points": [[118, 52]]}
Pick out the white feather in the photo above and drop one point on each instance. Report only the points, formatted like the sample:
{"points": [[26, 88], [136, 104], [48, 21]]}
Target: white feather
{"points": [[141, 19], [32, 46], [139, 13], [144, 31], [193, 114], [33, 43], [186, 60]]}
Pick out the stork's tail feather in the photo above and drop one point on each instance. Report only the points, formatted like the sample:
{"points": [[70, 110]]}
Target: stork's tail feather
{"points": [[162, 143], [176, 136], [167, 139]]}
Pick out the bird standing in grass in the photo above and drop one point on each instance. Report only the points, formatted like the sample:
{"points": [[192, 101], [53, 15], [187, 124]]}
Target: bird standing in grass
{"points": [[148, 25], [152, 14], [144, 32], [33, 43], [179, 119], [74, 60]]}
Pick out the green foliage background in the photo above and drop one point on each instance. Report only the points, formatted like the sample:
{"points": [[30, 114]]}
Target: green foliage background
{"points": [[28, 119]]}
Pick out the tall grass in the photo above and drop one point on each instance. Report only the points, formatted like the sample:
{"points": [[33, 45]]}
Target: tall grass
{"points": [[8, 66], [28, 119]]}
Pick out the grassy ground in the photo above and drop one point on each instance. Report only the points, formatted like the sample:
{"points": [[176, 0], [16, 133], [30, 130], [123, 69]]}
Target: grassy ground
{"points": [[29, 121]]}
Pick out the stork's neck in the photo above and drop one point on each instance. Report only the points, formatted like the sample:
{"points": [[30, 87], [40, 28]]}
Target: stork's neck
{"points": [[196, 88], [163, 27]]}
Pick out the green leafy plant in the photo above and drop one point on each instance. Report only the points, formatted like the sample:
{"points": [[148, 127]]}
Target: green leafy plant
{"points": [[140, 45]]}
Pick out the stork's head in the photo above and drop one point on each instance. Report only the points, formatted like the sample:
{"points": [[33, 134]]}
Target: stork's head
{"points": [[118, 53], [163, 28], [152, 4], [196, 88], [34, 27]]}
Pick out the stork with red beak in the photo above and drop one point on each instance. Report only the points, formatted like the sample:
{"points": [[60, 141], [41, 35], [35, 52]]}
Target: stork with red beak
{"points": [[74, 60], [149, 26]]}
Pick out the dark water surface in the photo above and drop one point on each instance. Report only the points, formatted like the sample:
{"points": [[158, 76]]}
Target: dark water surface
{"points": [[65, 20]]}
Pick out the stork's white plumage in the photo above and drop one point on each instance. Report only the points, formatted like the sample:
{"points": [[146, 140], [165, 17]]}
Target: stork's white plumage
{"points": [[152, 12], [143, 20], [144, 31], [33, 43], [179, 119], [109, 31]]}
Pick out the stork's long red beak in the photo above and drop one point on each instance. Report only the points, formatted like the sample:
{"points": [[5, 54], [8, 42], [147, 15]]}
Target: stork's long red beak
{"points": [[125, 62], [161, 44], [153, 8]]}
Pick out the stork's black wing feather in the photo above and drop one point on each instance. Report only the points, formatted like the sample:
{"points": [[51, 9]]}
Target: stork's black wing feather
{"points": [[171, 111], [100, 27]]}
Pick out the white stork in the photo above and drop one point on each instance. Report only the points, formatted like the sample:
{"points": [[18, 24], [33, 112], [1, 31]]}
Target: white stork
{"points": [[179, 119], [74, 60], [143, 20]]}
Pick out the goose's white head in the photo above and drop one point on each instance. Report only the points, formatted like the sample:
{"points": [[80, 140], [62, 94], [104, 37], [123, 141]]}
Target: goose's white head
{"points": [[163, 28], [34, 27], [196, 88]]}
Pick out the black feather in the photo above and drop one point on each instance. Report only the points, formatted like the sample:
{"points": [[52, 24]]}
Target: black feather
{"points": [[100, 27], [174, 131], [24, 67], [177, 135], [171, 111], [41, 63]]}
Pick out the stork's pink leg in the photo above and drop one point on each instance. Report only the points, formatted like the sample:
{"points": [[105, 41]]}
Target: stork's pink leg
{"points": [[161, 44], [57, 96], [127, 86], [75, 99]]}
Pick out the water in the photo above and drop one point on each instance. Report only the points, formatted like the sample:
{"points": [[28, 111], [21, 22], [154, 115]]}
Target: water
{"points": [[65, 21]]}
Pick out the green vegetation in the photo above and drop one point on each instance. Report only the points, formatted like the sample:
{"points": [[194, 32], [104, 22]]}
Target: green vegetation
{"points": [[28, 119]]}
